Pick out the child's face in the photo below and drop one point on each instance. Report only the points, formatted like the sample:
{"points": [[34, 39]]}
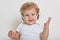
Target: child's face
{"points": [[30, 16]]}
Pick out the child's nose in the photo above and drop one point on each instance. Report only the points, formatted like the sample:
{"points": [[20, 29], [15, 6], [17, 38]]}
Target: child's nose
{"points": [[30, 16]]}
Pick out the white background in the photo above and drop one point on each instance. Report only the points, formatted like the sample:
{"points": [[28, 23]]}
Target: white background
{"points": [[10, 16]]}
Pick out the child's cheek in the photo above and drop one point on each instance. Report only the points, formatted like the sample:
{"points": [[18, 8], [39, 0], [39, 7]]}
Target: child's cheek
{"points": [[25, 18]]}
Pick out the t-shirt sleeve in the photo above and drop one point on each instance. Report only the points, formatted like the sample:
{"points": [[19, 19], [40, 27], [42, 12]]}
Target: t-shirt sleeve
{"points": [[19, 28]]}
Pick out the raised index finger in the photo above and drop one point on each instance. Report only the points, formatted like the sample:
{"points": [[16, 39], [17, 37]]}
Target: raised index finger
{"points": [[49, 19]]}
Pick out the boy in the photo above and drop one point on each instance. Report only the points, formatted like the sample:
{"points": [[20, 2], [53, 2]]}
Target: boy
{"points": [[29, 29]]}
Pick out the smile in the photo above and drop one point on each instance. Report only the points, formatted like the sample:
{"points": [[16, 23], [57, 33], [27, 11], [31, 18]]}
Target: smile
{"points": [[31, 20]]}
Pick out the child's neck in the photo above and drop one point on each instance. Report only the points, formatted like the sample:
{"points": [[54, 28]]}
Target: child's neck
{"points": [[29, 24]]}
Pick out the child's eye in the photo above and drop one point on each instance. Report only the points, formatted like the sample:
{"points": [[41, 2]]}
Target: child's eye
{"points": [[26, 15], [33, 14]]}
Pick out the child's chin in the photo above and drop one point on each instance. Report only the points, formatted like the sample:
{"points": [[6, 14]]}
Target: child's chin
{"points": [[31, 23]]}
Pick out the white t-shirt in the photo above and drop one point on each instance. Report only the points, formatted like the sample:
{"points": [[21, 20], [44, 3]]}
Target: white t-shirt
{"points": [[29, 32]]}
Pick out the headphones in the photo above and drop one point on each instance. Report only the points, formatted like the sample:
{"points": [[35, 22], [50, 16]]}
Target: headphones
{"points": [[37, 16]]}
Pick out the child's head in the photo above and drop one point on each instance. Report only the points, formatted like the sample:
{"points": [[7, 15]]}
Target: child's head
{"points": [[29, 11]]}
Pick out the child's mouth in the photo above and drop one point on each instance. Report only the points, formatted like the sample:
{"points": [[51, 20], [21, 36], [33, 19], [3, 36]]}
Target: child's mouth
{"points": [[31, 20]]}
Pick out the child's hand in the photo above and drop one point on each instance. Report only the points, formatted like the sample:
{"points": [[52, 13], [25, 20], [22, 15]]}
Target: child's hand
{"points": [[47, 23], [45, 33], [11, 34]]}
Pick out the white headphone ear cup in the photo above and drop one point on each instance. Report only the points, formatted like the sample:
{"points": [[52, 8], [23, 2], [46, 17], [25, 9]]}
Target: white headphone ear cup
{"points": [[22, 17], [37, 16]]}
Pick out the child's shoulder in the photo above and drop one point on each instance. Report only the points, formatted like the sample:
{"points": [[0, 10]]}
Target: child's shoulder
{"points": [[20, 24], [37, 24]]}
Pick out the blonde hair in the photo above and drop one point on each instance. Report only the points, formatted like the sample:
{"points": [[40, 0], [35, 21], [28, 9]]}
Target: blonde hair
{"points": [[29, 5]]}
